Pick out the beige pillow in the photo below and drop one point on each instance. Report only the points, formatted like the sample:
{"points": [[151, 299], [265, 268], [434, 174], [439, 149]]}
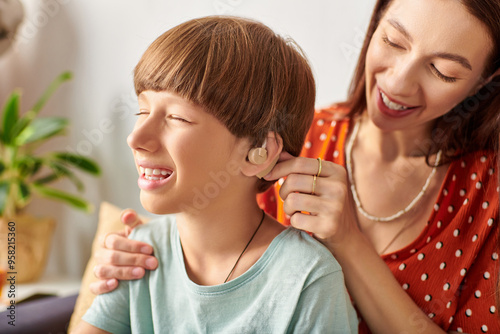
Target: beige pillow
{"points": [[109, 221]]}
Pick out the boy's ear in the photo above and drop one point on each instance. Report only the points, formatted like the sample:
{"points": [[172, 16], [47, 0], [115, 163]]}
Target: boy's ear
{"points": [[260, 160]]}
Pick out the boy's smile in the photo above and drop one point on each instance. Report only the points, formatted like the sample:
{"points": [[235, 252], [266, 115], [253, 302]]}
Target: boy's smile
{"points": [[152, 177]]}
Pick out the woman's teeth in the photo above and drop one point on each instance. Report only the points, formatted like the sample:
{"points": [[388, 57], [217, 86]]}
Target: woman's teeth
{"points": [[391, 105], [154, 174]]}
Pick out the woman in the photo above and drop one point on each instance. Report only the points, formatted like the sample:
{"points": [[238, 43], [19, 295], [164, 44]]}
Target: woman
{"points": [[414, 220]]}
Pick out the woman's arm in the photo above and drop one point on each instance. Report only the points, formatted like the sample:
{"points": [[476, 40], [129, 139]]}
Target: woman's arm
{"points": [[120, 258], [383, 304]]}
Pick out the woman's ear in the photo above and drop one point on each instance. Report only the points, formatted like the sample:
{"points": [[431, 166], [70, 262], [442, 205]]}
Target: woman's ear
{"points": [[260, 160]]}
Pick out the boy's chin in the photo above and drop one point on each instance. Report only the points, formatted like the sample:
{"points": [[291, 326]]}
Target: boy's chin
{"points": [[158, 208]]}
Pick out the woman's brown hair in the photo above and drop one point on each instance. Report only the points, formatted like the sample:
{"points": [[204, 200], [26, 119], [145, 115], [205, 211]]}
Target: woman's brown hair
{"points": [[471, 125], [252, 80]]}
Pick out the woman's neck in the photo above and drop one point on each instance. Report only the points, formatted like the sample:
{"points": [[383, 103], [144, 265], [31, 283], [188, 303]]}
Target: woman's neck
{"points": [[390, 145]]}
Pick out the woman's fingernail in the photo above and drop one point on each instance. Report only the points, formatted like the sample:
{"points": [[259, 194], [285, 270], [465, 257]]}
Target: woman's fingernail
{"points": [[151, 263], [111, 283], [137, 272], [146, 250]]}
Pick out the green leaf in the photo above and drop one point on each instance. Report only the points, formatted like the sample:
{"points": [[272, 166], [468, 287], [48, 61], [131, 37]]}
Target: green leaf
{"points": [[10, 116], [24, 121], [4, 194], [79, 161], [62, 171], [47, 179], [41, 128], [2, 167], [55, 194], [24, 192], [20, 125], [50, 90], [28, 166]]}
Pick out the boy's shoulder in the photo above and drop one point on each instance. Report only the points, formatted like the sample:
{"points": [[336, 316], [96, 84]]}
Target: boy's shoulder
{"points": [[299, 249], [159, 226]]}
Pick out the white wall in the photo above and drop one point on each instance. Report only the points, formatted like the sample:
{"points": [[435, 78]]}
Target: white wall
{"points": [[101, 41]]}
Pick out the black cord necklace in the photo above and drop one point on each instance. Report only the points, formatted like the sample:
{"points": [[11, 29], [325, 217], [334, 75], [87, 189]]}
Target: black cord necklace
{"points": [[244, 249]]}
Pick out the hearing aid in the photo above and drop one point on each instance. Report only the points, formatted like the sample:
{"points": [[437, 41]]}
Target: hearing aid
{"points": [[258, 156]]}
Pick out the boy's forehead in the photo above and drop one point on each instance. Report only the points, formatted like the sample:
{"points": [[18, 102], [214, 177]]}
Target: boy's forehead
{"points": [[172, 101], [151, 96]]}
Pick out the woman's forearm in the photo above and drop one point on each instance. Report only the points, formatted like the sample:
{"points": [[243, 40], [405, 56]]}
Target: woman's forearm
{"points": [[383, 303]]}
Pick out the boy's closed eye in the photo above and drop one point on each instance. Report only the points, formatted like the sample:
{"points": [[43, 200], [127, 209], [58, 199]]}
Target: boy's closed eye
{"points": [[177, 118]]}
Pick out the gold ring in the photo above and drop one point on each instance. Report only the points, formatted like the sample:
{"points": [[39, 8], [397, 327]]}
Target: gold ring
{"points": [[319, 167], [314, 184]]}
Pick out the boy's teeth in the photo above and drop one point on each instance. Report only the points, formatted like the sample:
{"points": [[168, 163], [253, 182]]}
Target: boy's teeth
{"points": [[391, 105], [154, 173]]}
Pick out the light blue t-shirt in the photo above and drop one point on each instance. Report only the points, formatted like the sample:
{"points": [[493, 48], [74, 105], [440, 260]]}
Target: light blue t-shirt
{"points": [[297, 286]]}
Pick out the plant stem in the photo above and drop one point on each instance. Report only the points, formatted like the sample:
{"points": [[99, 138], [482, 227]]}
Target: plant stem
{"points": [[10, 172]]}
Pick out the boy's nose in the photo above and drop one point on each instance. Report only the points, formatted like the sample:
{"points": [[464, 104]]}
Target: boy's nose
{"points": [[144, 137]]}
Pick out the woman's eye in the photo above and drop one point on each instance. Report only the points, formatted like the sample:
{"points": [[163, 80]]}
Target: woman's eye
{"points": [[387, 41], [140, 113], [441, 75]]}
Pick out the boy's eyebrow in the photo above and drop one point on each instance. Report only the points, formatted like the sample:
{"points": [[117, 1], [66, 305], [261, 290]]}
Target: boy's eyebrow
{"points": [[142, 96], [445, 55]]}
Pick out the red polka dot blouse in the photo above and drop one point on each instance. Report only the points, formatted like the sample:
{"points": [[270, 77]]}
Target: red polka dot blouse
{"points": [[451, 269]]}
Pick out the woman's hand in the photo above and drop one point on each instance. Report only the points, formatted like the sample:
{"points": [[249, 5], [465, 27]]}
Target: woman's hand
{"points": [[331, 217], [120, 258]]}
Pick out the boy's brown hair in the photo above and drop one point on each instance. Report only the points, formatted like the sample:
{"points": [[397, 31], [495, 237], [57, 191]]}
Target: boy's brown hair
{"points": [[252, 80]]}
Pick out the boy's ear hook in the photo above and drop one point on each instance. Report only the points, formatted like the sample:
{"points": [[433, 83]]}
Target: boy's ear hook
{"points": [[258, 156]]}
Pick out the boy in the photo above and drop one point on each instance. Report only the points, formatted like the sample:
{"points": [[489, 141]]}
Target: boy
{"points": [[220, 98]]}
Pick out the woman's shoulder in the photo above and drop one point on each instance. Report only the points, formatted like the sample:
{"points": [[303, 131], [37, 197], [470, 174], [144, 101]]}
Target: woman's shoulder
{"points": [[334, 112], [477, 166], [327, 133]]}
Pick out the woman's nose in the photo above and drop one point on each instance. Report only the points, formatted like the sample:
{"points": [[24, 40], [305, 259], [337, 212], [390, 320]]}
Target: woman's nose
{"points": [[403, 78], [144, 136]]}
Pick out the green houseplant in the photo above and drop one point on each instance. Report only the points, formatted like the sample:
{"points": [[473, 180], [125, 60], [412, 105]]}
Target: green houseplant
{"points": [[24, 172]]}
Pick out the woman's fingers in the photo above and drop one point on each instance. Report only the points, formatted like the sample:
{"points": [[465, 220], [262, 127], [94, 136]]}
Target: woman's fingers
{"points": [[131, 220], [301, 183], [288, 164], [106, 272], [321, 227], [103, 286], [111, 257], [332, 182], [120, 258], [118, 242], [315, 203], [297, 202]]}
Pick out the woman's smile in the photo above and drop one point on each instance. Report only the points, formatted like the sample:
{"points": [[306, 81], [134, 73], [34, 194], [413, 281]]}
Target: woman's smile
{"points": [[391, 108]]}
